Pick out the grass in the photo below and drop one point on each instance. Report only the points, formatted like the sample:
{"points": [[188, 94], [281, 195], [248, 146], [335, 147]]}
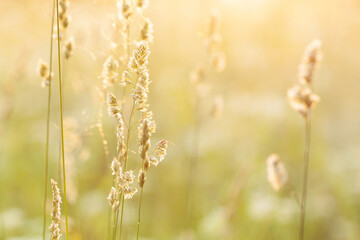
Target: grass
{"points": [[139, 215], [305, 177], [61, 121], [256, 122], [48, 123]]}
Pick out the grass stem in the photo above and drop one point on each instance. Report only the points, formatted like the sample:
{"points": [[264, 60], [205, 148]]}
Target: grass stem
{"points": [[48, 123], [139, 215], [61, 119], [125, 164], [305, 177]]}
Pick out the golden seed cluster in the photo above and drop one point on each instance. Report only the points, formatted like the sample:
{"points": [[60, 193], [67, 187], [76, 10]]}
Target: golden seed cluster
{"points": [[55, 212], [44, 73], [301, 97], [276, 172]]}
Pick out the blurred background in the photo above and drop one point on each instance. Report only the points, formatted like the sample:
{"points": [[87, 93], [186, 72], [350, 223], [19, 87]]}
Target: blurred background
{"points": [[263, 41]]}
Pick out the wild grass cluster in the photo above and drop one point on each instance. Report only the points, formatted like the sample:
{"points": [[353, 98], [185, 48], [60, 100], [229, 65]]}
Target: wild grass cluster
{"points": [[108, 90]]}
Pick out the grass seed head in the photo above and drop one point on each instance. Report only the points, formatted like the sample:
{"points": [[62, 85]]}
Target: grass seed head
{"points": [[147, 31], [311, 60], [129, 192], [69, 48], [302, 99], [55, 212], [276, 172], [141, 178]]}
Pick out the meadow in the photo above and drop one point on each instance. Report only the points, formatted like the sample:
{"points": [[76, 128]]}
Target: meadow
{"points": [[179, 119]]}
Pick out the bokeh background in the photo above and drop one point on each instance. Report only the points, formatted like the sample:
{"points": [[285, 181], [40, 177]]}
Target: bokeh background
{"points": [[263, 41]]}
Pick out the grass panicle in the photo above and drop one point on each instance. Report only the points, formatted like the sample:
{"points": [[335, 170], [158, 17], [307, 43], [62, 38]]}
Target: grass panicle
{"points": [[303, 100]]}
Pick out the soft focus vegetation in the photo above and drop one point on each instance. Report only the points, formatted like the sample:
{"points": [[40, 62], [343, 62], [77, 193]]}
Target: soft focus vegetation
{"points": [[263, 43]]}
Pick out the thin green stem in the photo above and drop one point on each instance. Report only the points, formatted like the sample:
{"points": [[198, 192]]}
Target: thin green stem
{"points": [[115, 221], [61, 119], [109, 224], [305, 177], [121, 215], [125, 164], [48, 122], [139, 215]]}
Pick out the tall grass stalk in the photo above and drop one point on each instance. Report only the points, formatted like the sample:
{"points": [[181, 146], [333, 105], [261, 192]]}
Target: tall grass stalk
{"points": [[48, 122], [61, 119], [303, 100], [139, 215], [305, 177], [125, 164]]}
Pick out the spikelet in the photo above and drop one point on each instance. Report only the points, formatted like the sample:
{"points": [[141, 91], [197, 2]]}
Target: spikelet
{"points": [[64, 4], [142, 4], [64, 17], [310, 62], [115, 166], [113, 199], [129, 192], [46, 81], [65, 21], [146, 128], [69, 48], [139, 58], [147, 31], [302, 99], [55, 212], [125, 8], [113, 107], [141, 178], [122, 181], [121, 146], [154, 161], [144, 139], [114, 111], [43, 69], [125, 79], [276, 172], [122, 24], [140, 97], [109, 73], [44, 72], [160, 149], [138, 63]]}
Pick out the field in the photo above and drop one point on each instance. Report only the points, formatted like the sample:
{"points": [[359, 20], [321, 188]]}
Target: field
{"points": [[216, 76]]}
